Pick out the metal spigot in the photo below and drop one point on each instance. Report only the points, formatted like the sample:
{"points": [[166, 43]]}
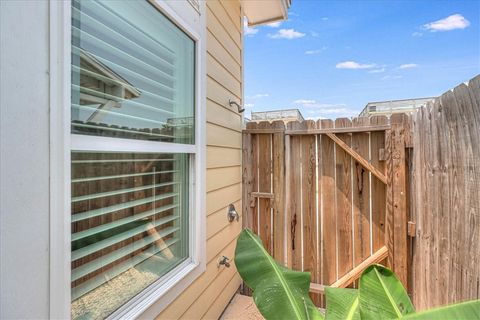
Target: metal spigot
{"points": [[232, 213], [224, 261]]}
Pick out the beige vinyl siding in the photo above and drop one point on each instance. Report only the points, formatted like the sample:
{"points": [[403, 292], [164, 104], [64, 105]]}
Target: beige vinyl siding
{"points": [[210, 293], [216, 221]]}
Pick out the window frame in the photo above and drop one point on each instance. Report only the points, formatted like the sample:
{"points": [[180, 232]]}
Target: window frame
{"points": [[152, 300]]}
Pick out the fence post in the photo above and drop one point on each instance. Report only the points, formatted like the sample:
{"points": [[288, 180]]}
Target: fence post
{"points": [[397, 199], [278, 154], [287, 204], [248, 177]]}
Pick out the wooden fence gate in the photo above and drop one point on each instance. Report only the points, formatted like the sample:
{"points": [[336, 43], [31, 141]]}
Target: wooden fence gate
{"points": [[329, 197]]}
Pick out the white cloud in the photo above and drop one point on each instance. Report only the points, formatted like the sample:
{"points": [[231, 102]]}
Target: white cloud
{"points": [[417, 34], [408, 66], [249, 105], [354, 65], [258, 96], [316, 51], [247, 30], [455, 21], [287, 34], [315, 110], [377, 70], [274, 24], [304, 102], [389, 77]]}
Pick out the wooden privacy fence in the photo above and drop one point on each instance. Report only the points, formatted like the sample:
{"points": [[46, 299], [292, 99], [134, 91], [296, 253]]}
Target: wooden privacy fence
{"points": [[445, 198], [329, 197]]}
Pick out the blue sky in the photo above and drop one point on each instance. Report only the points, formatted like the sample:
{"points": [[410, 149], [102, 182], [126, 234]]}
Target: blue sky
{"points": [[332, 57]]}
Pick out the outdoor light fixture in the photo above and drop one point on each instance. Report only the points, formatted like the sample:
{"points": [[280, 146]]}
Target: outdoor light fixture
{"points": [[233, 103], [232, 213]]}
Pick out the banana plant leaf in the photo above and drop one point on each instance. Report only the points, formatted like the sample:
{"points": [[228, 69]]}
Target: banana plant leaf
{"points": [[278, 292], [382, 295], [342, 304], [460, 311]]}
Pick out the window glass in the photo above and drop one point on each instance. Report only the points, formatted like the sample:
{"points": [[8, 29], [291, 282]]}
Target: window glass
{"points": [[132, 78], [129, 226], [132, 73]]}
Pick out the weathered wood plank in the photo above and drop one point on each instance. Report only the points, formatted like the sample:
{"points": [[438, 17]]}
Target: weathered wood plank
{"points": [[356, 272], [357, 157], [266, 195], [389, 240], [446, 193], [278, 154], [343, 198], [265, 185], [339, 130], [374, 128], [399, 198], [255, 177], [309, 205], [287, 203], [317, 288], [361, 194], [247, 180], [328, 223], [295, 223], [377, 142]]}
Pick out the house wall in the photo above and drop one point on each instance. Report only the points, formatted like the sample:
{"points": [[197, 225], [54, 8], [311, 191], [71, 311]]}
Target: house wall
{"points": [[25, 159], [208, 296]]}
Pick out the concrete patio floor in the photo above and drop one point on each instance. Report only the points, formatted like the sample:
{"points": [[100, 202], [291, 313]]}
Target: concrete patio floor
{"points": [[241, 308]]}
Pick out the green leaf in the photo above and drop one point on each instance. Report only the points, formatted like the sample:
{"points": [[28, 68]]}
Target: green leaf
{"points": [[382, 295], [342, 304], [278, 292], [461, 311]]}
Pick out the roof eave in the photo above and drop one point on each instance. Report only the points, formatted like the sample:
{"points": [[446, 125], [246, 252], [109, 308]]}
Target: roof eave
{"points": [[265, 11]]}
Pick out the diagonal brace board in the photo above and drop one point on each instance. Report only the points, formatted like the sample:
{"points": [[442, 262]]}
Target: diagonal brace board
{"points": [[355, 273], [358, 157]]}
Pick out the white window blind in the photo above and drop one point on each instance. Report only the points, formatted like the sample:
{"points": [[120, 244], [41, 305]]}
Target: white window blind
{"points": [[132, 73], [132, 78]]}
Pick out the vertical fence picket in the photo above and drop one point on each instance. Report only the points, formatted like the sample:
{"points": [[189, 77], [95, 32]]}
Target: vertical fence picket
{"points": [[288, 203], [265, 185], [279, 240], [255, 177], [399, 198], [309, 204], [389, 240], [247, 179], [343, 177], [377, 148], [361, 194], [295, 222], [328, 205]]}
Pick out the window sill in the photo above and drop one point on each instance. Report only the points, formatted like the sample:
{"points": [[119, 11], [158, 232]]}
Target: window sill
{"points": [[151, 301]]}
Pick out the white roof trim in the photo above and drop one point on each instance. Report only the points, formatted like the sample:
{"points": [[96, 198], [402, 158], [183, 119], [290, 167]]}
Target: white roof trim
{"points": [[265, 11]]}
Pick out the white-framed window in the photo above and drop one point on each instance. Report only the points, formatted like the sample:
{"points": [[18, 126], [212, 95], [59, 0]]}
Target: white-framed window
{"points": [[133, 155]]}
